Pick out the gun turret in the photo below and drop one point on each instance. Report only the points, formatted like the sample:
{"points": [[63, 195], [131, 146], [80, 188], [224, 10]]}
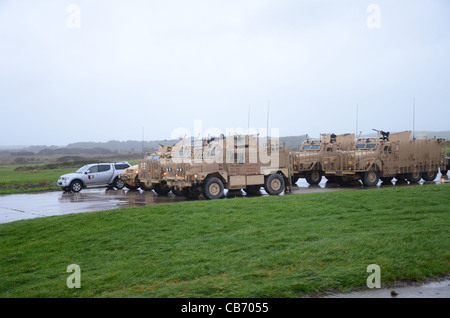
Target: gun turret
{"points": [[384, 134]]}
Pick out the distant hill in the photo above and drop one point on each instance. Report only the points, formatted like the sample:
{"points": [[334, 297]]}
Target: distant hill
{"points": [[116, 146]]}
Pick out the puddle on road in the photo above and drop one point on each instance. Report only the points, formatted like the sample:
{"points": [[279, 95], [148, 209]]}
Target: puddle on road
{"points": [[25, 206]]}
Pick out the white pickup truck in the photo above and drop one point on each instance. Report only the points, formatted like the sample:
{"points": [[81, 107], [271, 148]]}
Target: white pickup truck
{"points": [[94, 175]]}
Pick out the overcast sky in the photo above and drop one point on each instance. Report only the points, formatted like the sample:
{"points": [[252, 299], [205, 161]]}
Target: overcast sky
{"points": [[100, 70]]}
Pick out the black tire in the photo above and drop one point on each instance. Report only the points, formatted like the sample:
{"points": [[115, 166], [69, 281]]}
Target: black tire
{"points": [[253, 189], [119, 183], [274, 184], [212, 188], [370, 178], [145, 188], [191, 193], [429, 176], [130, 187], [161, 189], [76, 186], [414, 177], [313, 177], [177, 192]]}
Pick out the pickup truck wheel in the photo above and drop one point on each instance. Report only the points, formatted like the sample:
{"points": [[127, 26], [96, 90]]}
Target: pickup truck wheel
{"points": [[274, 184], [212, 188], [414, 177], [76, 186], [119, 183], [313, 177], [429, 175]]}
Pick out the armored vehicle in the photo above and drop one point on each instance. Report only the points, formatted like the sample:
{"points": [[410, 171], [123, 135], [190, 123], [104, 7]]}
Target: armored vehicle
{"points": [[131, 175], [307, 161], [385, 157], [214, 164]]}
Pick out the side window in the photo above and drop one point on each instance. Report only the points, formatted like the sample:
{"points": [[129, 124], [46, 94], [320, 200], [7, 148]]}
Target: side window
{"points": [[103, 168], [121, 166], [93, 169]]}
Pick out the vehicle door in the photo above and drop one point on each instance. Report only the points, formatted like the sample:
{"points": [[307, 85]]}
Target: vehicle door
{"points": [[104, 175], [91, 176]]}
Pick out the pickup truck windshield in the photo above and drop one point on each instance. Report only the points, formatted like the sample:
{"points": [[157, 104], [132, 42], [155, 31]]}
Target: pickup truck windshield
{"points": [[82, 169]]}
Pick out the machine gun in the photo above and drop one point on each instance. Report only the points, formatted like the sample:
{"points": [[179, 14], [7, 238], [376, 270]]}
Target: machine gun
{"points": [[384, 134]]}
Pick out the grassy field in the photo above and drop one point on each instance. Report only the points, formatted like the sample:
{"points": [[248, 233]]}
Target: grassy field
{"points": [[282, 246], [32, 178]]}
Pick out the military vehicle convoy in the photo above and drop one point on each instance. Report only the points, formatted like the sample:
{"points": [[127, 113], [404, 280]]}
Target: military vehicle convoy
{"points": [[210, 165]]}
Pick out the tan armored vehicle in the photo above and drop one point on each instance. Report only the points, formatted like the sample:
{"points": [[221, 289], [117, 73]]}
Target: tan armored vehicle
{"points": [[307, 161], [212, 165], [385, 157], [131, 175]]}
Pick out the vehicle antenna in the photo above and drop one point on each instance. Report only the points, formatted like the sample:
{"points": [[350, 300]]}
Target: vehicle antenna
{"points": [[414, 116], [268, 106], [356, 132]]}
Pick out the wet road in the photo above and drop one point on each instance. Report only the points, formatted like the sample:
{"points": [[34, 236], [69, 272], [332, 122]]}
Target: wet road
{"points": [[26, 206], [433, 289]]}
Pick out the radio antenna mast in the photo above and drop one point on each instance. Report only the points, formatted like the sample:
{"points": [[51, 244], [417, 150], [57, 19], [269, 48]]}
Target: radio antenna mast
{"points": [[414, 116], [356, 132], [268, 106]]}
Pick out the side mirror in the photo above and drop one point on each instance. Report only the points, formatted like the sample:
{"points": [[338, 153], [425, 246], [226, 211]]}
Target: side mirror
{"points": [[86, 172]]}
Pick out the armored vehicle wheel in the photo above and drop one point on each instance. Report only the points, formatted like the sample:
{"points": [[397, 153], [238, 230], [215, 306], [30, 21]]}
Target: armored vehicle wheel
{"points": [[144, 187], [274, 184], [176, 192], [119, 183], [444, 172], [429, 176], [130, 187], [252, 189], [313, 177], [212, 188], [76, 186], [161, 189], [386, 179], [191, 193], [414, 177], [370, 178]]}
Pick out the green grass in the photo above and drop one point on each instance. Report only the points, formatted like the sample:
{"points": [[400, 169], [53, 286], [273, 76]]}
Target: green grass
{"points": [[12, 181], [29, 180], [283, 246]]}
